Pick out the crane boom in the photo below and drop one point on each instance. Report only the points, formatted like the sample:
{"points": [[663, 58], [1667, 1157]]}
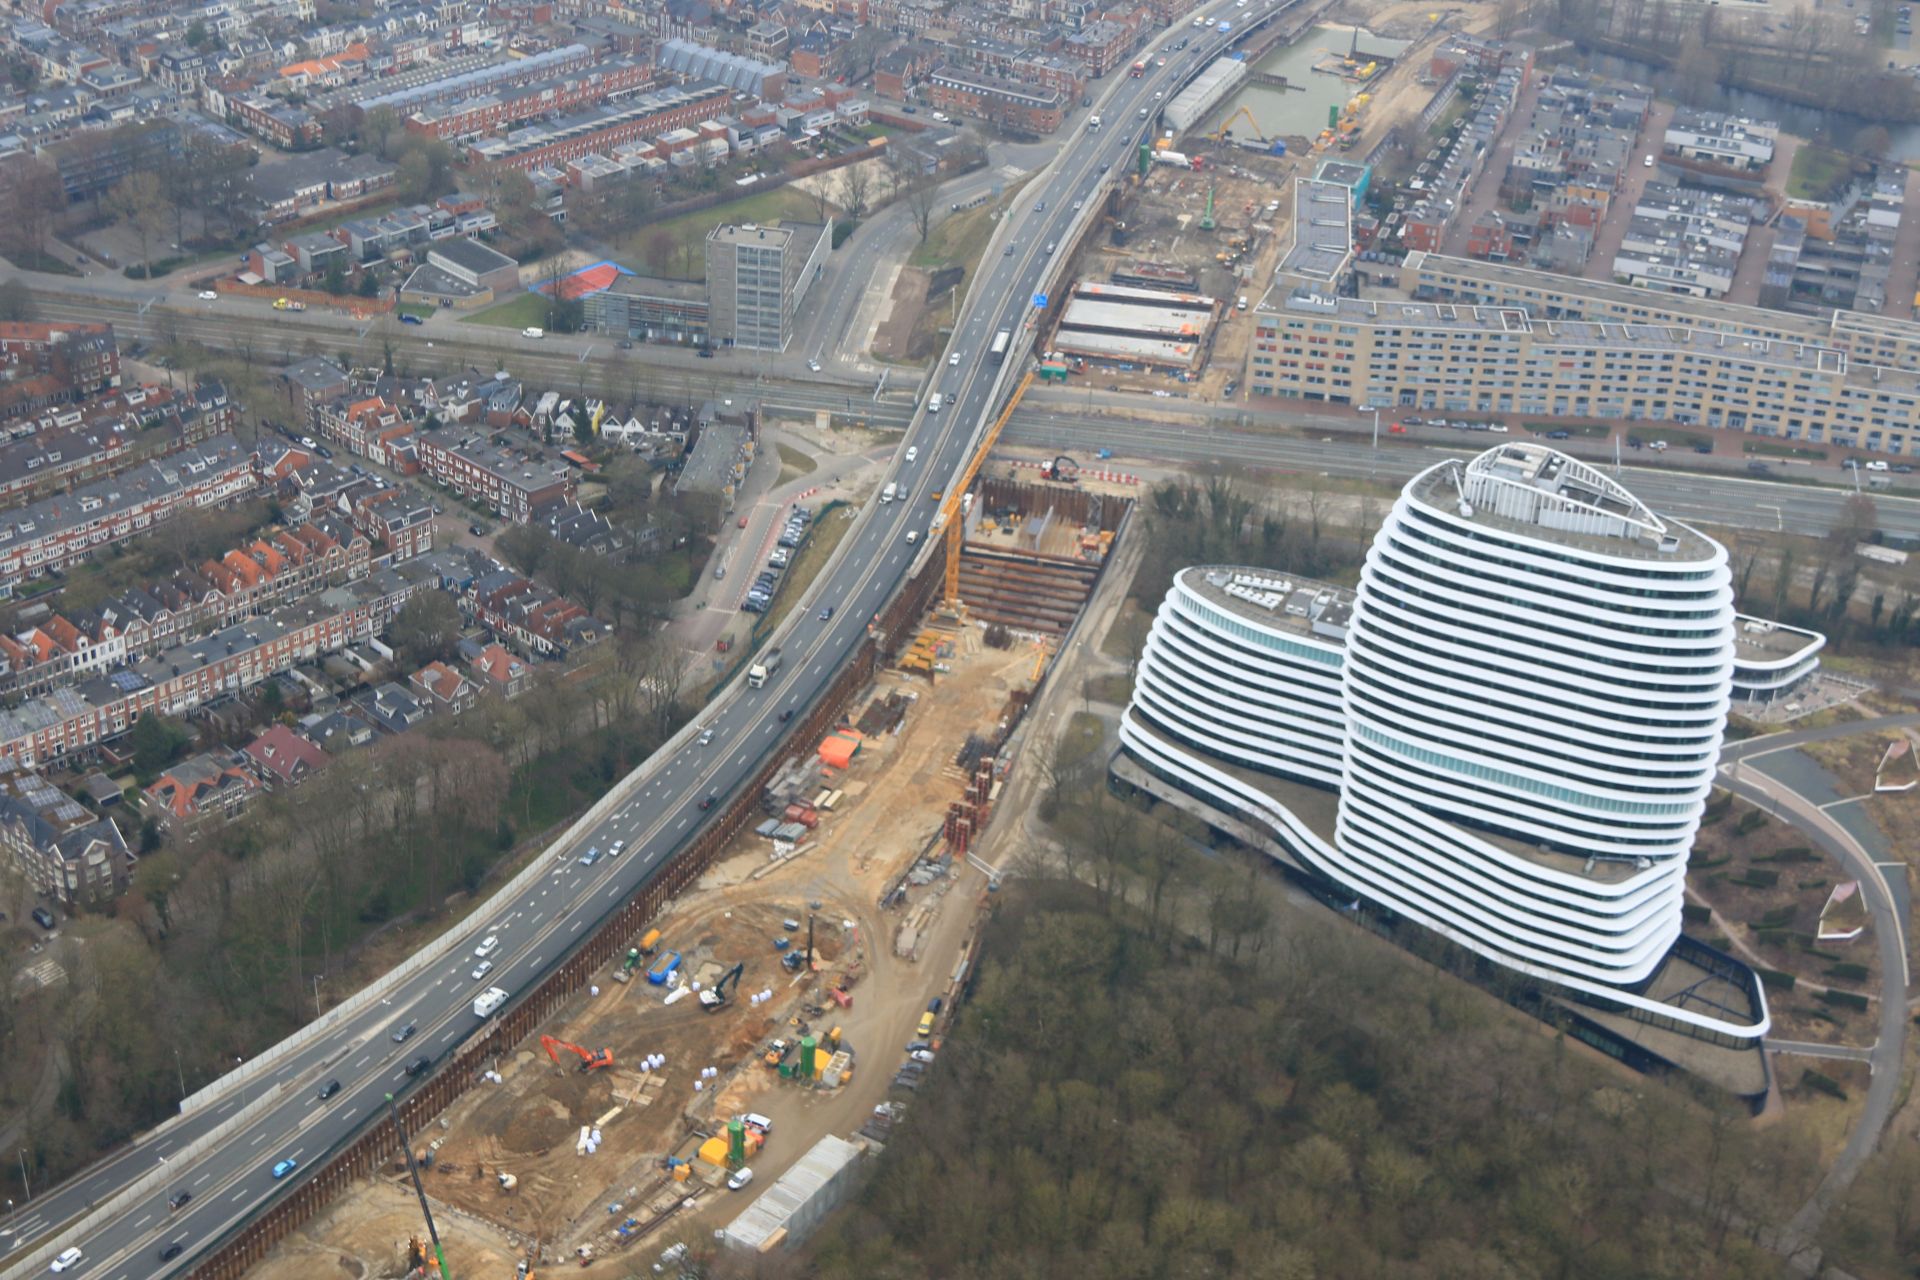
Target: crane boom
{"points": [[951, 526], [406, 1148]]}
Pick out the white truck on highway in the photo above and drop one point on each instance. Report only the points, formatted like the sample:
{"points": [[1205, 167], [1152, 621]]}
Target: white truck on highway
{"points": [[1093, 122], [489, 1000], [888, 494], [758, 673]]}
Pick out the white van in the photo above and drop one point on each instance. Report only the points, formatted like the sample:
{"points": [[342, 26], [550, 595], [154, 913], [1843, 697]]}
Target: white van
{"points": [[933, 405], [890, 492], [531, 332], [490, 999], [1241, 305]]}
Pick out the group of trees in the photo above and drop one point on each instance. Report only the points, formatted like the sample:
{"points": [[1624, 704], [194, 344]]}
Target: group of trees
{"points": [[1308, 531], [637, 583], [227, 942], [1113, 1103], [1817, 583]]}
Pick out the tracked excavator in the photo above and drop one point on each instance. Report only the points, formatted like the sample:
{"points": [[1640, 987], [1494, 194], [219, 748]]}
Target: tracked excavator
{"points": [[589, 1060]]}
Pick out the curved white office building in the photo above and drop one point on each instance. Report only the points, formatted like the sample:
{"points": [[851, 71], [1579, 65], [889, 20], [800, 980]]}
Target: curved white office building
{"points": [[1506, 735]]}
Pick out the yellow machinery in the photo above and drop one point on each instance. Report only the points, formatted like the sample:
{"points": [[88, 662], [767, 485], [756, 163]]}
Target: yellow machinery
{"points": [[1226, 126], [951, 526]]}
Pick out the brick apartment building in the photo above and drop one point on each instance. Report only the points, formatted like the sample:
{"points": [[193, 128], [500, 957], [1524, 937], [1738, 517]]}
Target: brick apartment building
{"points": [[278, 566], [501, 109], [79, 718], [60, 846], [55, 363], [596, 132], [71, 445], [513, 481], [63, 530], [1012, 105]]}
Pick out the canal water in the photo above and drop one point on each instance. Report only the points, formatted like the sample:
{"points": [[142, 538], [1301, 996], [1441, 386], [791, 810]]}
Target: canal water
{"points": [[1834, 128], [1294, 113]]}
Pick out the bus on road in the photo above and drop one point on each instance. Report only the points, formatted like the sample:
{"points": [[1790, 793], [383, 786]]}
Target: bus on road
{"points": [[1001, 341]]}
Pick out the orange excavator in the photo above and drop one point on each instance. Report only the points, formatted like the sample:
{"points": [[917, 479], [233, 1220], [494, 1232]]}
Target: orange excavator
{"points": [[589, 1061]]}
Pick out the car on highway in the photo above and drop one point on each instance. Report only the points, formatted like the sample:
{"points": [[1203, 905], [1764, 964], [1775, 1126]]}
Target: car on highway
{"points": [[488, 945], [740, 1178], [826, 614], [1008, 253], [419, 1066], [482, 969], [179, 1198], [913, 453], [404, 1032], [615, 849], [67, 1258], [813, 365], [954, 360], [327, 1090], [285, 1167], [1877, 465], [1077, 204], [1041, 207], [1559, 435], [208, 295], [171, 1252], [707, 801], [705, 353], [913, 536], [706, 736], [590, 857]]}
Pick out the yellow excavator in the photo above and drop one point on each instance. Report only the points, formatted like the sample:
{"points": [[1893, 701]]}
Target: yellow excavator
{"points": [[1226, 126]]}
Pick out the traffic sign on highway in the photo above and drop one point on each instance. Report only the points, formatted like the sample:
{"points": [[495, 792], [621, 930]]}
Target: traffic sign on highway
{"points": [[1040, 300]]}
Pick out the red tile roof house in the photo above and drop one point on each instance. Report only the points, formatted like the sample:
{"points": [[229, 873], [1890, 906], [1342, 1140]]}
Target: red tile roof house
{"points": [[445, 686], [502, 671], [282, 756], [199, 786]]}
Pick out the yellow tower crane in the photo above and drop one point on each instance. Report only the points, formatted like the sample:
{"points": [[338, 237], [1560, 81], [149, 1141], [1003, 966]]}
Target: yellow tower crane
{"points": [[951, 526]]}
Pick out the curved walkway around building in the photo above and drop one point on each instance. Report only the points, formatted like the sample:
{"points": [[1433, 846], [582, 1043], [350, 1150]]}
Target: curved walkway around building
{"points": [[1884, 1057]]}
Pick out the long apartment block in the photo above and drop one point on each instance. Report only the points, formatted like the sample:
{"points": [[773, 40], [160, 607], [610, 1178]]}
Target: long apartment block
{"points": [[1478, 337], [77, 717]]}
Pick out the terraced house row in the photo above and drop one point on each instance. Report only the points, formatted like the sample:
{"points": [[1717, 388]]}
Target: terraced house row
{"points": [[1479, 337], [78, 717]]}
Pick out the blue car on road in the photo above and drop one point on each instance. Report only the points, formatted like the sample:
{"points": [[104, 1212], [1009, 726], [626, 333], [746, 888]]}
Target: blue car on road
{"points": [[285, 1167]]}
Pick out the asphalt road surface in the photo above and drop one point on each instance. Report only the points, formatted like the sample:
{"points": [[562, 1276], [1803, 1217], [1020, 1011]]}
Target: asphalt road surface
{"points": [[662, 801]]}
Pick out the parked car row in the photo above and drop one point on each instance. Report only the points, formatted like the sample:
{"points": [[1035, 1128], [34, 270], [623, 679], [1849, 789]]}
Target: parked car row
{"points": [[760, 595]]}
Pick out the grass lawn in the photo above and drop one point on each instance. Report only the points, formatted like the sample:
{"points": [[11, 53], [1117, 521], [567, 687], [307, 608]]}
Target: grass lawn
{"points": [[1081, 738], [688, 232], [959, 241], [828, 528], [44, 262], [1772, 449], [794, 463], [421, 309], [528, 310], [1591, 430], [1816, 172]]}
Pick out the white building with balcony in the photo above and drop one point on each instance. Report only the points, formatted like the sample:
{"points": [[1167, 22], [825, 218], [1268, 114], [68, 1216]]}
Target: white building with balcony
{"points": [[1505, 736]]}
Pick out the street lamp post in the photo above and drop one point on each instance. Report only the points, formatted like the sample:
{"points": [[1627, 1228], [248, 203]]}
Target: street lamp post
{"points": [[1374, 465], [180, 1071], [25, 1185]]}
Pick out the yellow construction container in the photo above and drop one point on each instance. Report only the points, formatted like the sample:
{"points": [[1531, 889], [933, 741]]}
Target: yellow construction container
{"points": [[714, 1151]]}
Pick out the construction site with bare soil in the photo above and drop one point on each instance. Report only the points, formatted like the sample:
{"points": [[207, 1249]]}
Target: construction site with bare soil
{"points": [[794, 990]]}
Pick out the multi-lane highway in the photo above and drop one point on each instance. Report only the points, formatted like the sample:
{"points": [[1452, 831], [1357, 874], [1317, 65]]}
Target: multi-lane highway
{"points": [[660, 807]]}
